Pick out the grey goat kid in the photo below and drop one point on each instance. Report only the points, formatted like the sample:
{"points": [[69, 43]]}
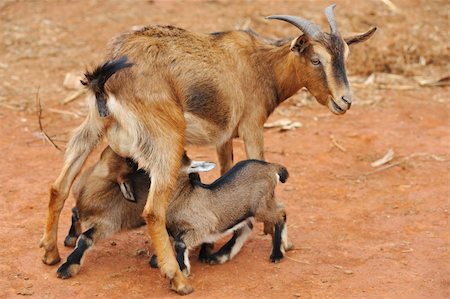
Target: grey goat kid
{"points": [[198, 214]]}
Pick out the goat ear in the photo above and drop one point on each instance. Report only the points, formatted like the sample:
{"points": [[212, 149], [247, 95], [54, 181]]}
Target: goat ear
{"points": [[127, 190], [299, 44], [200, 166], [360, 37]]}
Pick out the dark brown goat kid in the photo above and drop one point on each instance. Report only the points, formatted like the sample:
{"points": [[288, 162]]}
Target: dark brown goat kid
{"points": [[183, 87]]}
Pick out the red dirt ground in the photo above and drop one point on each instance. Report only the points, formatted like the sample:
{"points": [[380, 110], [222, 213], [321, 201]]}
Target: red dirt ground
{"points": [[356, 234]]}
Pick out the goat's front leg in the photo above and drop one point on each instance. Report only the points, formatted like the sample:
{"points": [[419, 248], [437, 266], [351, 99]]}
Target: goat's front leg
{"points": [[74, 231], [80, 146], [155, 215], [72, 266], [225, 156], [182, 254]]}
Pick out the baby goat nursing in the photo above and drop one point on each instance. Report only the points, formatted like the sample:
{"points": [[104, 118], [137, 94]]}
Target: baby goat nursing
{"points": [[168, 87], [198, 214]]}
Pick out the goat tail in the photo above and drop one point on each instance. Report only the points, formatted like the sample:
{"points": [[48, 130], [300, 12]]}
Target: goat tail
{"points": [[96, 80], [282, 173]]}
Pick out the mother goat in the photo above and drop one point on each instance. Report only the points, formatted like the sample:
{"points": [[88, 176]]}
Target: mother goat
{"points": [[183, 87]]}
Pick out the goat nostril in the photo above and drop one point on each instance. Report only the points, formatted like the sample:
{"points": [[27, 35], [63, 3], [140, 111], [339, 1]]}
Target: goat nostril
{"points": [[347, 100]]}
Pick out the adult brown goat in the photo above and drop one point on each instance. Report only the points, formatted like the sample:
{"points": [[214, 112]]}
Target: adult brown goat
{"points": [[184, 87]]}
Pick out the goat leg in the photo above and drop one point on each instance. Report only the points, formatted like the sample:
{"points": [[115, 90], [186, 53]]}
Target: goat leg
{"points": [[233, 246], [225, 156], [155, 215], [72, 266], [80, 146], [74, 231], [277, 243]]}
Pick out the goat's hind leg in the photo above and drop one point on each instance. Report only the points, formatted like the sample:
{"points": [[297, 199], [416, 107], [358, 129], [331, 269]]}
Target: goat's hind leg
{"points": [[232, 247], [74, 231], [72, 266], [80, 146], [280, 243]]}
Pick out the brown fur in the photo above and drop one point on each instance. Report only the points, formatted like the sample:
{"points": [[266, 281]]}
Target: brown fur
{"points": [[150, 121]]}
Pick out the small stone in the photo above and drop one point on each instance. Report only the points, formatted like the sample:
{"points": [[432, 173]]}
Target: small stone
{"points": [[25, 292], [141, 252], [113, 243], [348, 272]]}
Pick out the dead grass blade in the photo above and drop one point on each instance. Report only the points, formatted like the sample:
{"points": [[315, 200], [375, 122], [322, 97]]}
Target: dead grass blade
{"points": [[39, 115], [385, 159], [12, 107], [336, 144], [392, 7], [403, 160], [60, 111], [73, 96], [441, 81]]}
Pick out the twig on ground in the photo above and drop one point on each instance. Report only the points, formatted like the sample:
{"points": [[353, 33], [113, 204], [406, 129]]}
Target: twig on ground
{"points": [[385, 159], [39, 115], [12, 107], [336, 144], [391, 5], [434, 157], [298, 261], [73, 96]]}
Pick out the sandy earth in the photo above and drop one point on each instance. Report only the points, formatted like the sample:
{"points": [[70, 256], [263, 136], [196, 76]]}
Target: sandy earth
{"points": [[357, 234]]}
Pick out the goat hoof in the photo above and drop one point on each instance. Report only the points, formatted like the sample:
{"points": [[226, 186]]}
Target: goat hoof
{"points": [[186, 272], [276, 258], [67, 270], [182, 288], [70, 241], [153, 262], [289, 246], [51, 257]]}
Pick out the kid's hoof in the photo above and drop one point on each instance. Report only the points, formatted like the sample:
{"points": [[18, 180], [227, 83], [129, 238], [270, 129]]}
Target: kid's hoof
{"points": [[289, 246], [67, 271], [276, 258], [70, 241]]}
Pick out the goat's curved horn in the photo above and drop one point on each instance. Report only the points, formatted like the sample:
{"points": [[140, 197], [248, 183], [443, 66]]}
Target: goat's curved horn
{"points": [[330, 18], [307, 27]]}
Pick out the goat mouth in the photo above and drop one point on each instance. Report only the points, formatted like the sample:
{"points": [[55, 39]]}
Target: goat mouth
{"points": [[335, 108]]}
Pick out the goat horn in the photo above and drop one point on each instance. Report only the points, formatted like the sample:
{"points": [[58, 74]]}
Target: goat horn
{"points": [[307, 27], [330, 18]]}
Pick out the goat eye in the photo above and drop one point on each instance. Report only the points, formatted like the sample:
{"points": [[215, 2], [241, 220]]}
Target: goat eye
{"points": [[315, 61]]}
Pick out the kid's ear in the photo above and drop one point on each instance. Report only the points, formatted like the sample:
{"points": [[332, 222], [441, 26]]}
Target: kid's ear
{"points": [[200, 166], [127, 190]]}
